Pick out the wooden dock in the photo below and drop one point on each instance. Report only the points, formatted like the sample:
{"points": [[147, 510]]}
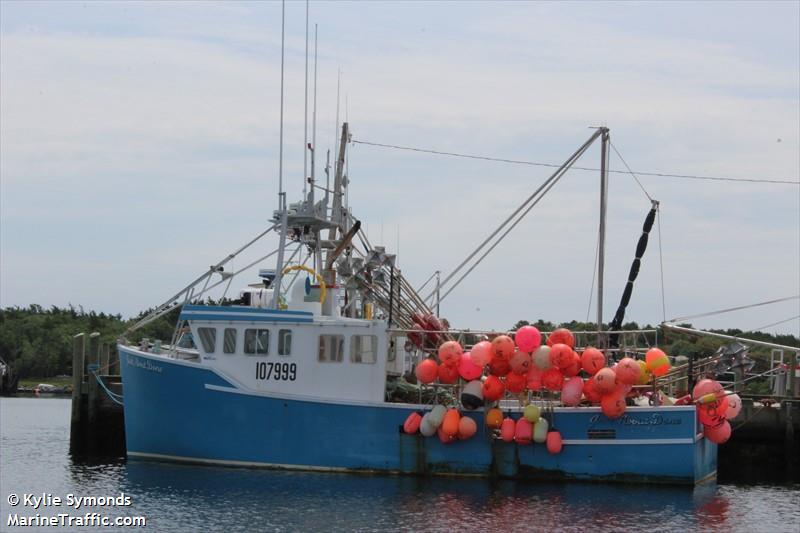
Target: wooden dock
{"points": [[97, 427]]}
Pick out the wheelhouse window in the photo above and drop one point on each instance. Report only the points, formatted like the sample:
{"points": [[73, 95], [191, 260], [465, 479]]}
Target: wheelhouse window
{"points": [[256, 341], [208, 338], [229, 341], [331, 348], [285, 342], [363, 349]]}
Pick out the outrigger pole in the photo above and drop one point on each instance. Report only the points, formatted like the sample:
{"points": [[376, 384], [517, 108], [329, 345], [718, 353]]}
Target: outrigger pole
{"points": [[601, 242]]}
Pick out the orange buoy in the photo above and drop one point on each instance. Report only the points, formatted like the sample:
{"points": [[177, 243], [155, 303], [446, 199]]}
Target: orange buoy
{"points": [[613, 405], [494, 418], [467, 427], [507, 430], [444, 437], [411, 425], [499, 367], [493, 389], [426, 371], [503, 347], [560, 356], [523, 432], [591, 392], [574, 367], [563, 336], [657, 362], [592, 360], [553, 379], [554, 442], [605, 381], [447, 373], [628, 371], [450, 423], [515, 383]]}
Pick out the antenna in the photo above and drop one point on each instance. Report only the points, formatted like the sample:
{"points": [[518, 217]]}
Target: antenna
{"points": [[336, 126], [314, 119], [280, 143], [305, 116]]}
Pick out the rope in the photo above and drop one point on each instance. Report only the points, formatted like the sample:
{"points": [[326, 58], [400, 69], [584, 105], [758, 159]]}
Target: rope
{"points": [[116, 398], [551, 165]]}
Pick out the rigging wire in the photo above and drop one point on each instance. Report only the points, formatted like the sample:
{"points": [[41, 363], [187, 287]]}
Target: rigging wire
{"points": [[631, 172], [594, 277], [552, 165], [773, 324], [738, 308]]}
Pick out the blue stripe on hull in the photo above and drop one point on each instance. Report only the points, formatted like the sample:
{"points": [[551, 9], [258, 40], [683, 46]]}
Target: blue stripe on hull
{"points": [[171, 414]]}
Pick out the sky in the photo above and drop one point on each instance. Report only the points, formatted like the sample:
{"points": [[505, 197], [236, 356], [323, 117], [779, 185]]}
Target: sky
{"points": [[139, 144]]}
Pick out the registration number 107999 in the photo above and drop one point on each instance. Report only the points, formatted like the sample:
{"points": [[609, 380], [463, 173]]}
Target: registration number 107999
{"points": [[276, 371]]}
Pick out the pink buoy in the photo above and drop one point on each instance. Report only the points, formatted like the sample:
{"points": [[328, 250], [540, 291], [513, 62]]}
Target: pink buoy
{"points": [[467, 369], [411, 425], [605, 381], [628, 371], [482, 353], [719, 434], [711, 414], [707, 386], [592, 360], [528, 338], [534, 379], [507, 430], [515, 383], [523, 432], [427, 371], [450, 353], [554, 442], [503, 347], [520, 363], [466, 428], [572, 391], [734, 406]]}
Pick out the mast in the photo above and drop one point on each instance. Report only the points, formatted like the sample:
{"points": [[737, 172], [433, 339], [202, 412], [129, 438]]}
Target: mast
{"points": [[281, 194], [305, 117], [604, 153]]}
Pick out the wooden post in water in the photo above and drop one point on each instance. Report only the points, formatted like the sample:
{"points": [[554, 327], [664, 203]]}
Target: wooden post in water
{"points": [[93, 387], [104, 359], [78, 354]]}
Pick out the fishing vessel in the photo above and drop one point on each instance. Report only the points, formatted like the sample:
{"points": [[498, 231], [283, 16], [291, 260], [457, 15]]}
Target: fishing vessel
{"points": [[321, 366]]}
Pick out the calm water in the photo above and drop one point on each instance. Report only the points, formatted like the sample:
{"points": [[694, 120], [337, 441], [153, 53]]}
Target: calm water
{"points": [[34, 443]]}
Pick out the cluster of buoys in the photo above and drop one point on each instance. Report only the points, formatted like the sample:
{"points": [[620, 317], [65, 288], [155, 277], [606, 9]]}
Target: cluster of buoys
{"points": [[714, 408], [426, 330], [524, 363], [448, 424], [530, 428]]}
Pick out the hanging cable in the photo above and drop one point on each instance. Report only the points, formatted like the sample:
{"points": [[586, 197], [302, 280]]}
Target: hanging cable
{"points": [[551, 165], [631, 172]]}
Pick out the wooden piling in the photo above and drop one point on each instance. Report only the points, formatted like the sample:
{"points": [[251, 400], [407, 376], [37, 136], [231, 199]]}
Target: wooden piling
{"points": [[93, 387], [104, 353], [78, 357]]}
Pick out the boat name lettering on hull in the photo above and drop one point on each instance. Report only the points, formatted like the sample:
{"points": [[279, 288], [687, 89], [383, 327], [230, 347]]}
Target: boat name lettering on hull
{"points": [[655, 419], [145, 364]]}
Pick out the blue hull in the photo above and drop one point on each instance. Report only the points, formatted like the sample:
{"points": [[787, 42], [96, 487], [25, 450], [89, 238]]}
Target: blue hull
{"points": [[183, 412]]}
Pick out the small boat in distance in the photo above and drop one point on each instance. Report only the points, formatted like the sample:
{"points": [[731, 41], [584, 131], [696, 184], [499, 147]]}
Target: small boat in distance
{"points": [[326, 365]]}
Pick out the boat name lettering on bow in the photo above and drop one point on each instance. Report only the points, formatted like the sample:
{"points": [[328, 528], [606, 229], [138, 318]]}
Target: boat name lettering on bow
{"points": [[146, 364], [276, 371]]}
